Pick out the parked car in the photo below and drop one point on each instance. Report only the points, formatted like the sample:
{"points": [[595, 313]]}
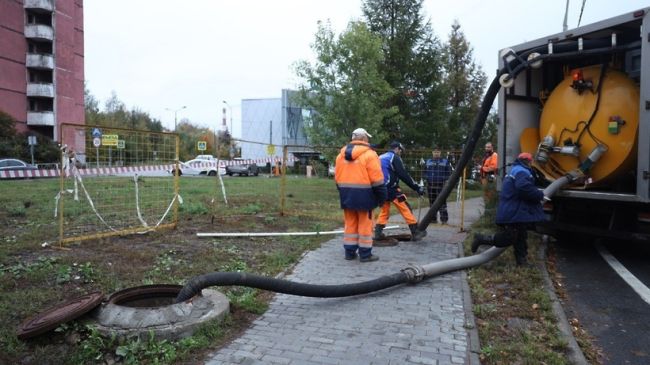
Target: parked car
{"points": [[242, 169], [206, 158], [7, 164], [196, 168], [207, 167]]}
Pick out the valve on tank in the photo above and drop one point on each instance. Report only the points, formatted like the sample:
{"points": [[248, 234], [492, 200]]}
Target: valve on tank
{"points": [[593, 157], [547, 147], [579, 82], [544, 149]]}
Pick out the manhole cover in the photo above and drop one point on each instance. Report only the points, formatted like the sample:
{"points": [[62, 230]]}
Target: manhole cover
{"points": [[61, 313]]}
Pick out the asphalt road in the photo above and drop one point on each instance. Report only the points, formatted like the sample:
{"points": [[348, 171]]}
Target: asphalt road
{"points": [[606, 305]]}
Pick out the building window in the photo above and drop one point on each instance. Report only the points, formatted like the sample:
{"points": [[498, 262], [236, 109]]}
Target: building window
{"points": [[35, 18], [40, 76], [39, 47], [41, 104]]}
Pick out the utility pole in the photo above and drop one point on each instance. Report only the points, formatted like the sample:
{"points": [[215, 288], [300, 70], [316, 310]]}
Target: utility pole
{"points": [[175, 115], [566, 15], [228, 105]]}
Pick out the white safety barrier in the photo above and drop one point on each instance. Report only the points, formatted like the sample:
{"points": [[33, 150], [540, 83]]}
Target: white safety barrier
{"points": [[107, 171]]}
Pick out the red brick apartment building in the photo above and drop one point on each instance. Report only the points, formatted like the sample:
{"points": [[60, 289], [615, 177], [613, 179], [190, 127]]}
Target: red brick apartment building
{"points": [[42, 63]]}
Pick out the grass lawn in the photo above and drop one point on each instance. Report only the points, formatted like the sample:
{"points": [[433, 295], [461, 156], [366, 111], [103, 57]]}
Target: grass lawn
{"points": [[33, 277], [513, 312]]}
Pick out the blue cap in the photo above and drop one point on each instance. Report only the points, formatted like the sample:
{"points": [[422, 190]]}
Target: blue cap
{"points": [[396, 144]]}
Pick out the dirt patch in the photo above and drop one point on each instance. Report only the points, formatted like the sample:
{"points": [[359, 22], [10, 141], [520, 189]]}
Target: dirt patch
{"points": [[39, 277]]}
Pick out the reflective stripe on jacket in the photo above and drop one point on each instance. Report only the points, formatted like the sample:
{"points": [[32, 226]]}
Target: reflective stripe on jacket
{"points": [[520, 201], [359, 178], [394, 171], [437, 170]]}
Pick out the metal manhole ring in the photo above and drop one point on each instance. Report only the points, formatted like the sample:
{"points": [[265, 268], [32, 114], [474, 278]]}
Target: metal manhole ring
{"points": [[145, 291], [401, 237], [385, 242], [60, 313]]}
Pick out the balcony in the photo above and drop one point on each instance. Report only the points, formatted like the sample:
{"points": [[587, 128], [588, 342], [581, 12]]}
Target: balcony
{"points": [[40, 61], [40, 118], [42, 5], [40, 90], [39, 32]]}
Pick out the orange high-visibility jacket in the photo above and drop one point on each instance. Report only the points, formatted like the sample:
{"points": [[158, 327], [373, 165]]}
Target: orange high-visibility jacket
{"points": [[359, 178], [489, 164]]}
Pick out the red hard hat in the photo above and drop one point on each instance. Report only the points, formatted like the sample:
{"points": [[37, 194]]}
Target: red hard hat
{"points": [[525, 156]]}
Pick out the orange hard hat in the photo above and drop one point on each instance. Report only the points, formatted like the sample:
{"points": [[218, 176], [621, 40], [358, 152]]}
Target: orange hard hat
{"points": [[525, 156]]}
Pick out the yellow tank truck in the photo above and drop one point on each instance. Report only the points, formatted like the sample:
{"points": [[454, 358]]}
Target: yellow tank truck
{"points": [[581, 107]]}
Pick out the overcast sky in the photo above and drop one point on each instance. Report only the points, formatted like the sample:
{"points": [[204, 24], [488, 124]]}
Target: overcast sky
{"points": [[164, 54]]}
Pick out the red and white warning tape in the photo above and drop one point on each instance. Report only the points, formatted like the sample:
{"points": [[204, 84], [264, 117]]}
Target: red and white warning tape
{"points": [[105, 171]]}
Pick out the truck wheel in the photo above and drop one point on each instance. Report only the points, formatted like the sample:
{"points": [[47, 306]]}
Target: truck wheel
{"points": [[212, 173]]}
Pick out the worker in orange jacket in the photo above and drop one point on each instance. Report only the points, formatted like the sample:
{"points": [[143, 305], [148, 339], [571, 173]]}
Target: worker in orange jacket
{"points": [[360, 183], [489, 165]]}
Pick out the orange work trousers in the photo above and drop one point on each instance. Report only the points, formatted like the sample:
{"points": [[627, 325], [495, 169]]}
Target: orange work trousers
{"points": [[357, 233], [403, 207]]}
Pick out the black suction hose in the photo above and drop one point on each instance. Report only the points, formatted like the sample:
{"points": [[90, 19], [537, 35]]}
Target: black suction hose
{"points": [[412, 273], [468, 151], [409, 274], [197, 283]]}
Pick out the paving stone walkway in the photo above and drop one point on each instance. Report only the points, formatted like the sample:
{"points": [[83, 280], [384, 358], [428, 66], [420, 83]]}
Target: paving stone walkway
{"points": [[426, 323]]}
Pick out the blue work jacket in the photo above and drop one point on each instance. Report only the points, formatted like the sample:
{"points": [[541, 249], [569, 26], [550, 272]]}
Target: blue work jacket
{"points": [[520, 201], [393, 168], [437, 171]]}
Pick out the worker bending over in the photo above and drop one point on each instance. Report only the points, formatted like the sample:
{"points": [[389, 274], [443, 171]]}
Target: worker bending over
{"points": [[394, 171]]}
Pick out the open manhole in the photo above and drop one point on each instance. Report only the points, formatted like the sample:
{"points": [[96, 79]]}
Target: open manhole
{"points": [[140, 310]]}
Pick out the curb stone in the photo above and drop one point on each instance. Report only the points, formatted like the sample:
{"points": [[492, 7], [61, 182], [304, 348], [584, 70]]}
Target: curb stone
{"points": [[474, 348], [575, 354]]}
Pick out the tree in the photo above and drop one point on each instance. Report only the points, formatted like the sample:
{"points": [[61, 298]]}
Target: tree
{"points": [[13, 144], [412, 66], [8, 140], [465, 82], [91, 107], [344, 86], [117, 115]]}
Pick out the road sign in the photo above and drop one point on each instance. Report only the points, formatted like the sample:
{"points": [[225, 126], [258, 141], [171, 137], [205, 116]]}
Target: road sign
{"points": [[201, 145], [31, 140], [120, 144], [110, 139], [97, 133], [97, 142], [270, 150]]}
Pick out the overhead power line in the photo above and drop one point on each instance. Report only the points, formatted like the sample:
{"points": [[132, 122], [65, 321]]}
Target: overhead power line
{"points": [[581, 10]]}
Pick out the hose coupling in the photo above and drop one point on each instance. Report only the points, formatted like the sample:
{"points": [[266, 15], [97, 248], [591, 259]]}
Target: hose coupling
{"points": [[414, 273]]}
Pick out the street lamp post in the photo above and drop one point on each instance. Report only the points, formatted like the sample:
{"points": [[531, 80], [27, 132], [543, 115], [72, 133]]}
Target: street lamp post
{"points": [[175, 115], [228, 105]]}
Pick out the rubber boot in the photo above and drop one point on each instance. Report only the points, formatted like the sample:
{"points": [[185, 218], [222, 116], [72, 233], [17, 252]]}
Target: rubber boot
{"points": [[481, 239], [379, 232], [416, 235]]}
